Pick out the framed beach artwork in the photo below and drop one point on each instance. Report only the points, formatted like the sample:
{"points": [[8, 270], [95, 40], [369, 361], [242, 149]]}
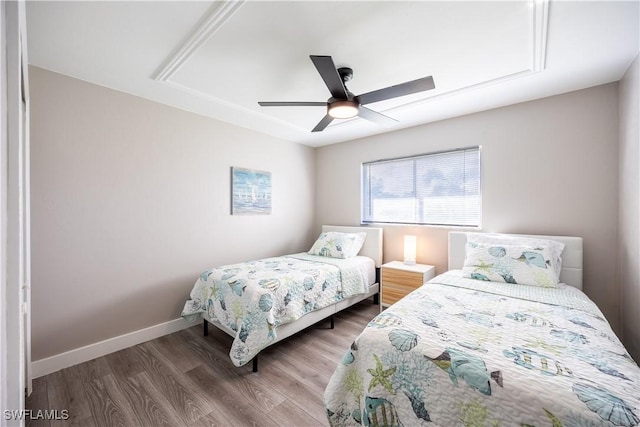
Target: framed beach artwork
{"points": [[250, 192]]}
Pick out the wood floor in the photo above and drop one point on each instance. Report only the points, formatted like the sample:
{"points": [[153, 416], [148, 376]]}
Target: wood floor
{"points": [[185, 379]]}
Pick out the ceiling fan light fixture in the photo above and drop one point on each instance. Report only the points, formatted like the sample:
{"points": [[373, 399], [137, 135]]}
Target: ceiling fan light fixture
{"points": [[344, 104], [343, 109]]}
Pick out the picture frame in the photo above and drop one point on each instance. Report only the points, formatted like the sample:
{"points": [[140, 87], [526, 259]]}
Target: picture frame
{"points": [[250, 192]]}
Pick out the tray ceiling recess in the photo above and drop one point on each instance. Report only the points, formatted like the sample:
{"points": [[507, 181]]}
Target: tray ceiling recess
{"points": [[236, 57]]}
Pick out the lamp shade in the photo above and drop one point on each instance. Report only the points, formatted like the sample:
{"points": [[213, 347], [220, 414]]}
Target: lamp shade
{"points": [[410, 250]]}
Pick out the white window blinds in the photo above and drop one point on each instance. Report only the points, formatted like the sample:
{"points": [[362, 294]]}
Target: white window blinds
{"points": [[435, 189]]}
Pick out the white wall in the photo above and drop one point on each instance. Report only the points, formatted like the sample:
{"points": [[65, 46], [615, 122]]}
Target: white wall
{"points": [[629, 233], [131, 202], [549, 167]]}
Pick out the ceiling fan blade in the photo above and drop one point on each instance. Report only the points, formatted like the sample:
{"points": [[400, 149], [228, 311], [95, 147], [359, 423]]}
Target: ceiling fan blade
{"points": [[323, 123], [330, 75], [402, 89], [292, 104], [374, 116]]}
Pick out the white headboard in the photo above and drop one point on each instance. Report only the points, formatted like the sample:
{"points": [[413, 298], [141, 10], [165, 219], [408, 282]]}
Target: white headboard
{"points": [[571, 272], [372, 244]]}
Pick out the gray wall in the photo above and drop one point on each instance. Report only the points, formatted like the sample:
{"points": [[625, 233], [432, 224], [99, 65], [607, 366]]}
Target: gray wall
{"points": [[549, 167], [130, 203], [629, 233]]}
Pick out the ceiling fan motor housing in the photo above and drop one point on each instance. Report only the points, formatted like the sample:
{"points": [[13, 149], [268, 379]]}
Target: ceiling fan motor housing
{"points": [[346, 73]]}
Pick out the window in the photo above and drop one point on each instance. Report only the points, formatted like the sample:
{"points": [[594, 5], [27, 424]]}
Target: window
{"points": [[435, 189]]}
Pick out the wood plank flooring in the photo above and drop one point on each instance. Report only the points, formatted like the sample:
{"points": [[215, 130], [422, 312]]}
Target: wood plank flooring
{"points": [[185, 379]]}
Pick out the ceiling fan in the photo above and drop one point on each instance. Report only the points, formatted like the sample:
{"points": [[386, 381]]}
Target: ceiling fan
{"points": [[344, 104]]}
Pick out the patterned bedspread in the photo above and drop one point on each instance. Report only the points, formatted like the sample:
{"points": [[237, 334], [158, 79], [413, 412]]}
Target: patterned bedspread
{"points": [[256, 297], [453, 354]]}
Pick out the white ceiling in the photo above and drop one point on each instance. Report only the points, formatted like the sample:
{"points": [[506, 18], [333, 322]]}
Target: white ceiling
{"points": [[219, 59]]}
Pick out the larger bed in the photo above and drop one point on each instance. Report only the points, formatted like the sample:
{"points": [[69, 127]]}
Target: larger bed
{"points": [[479, 352], [264, 301]]}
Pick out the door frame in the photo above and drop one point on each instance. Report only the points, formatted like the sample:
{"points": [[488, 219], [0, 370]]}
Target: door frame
{"points": [[15, 320]]}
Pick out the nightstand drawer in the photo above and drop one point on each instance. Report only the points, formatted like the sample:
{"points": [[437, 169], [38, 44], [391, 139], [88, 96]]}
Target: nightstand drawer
{"points": [[399, 279], [392, 292], [409, 278]]}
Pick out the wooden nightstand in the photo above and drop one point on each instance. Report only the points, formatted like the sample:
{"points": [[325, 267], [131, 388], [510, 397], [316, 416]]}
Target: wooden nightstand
{"points": [[398, 279]]}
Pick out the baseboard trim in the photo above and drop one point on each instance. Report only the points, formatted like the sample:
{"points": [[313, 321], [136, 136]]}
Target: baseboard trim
{"points": [[69, 358]]}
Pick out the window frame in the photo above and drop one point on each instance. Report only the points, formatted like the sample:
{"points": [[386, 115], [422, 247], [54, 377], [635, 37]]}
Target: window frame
{"points": [[363, 165]]}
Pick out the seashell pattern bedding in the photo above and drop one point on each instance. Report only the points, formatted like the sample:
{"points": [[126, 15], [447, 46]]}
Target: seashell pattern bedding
{"points": [[461, 352], [254, 298]]}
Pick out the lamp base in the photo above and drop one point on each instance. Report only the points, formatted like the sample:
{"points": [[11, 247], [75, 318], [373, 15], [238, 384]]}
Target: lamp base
{"points": [[410, 262]]}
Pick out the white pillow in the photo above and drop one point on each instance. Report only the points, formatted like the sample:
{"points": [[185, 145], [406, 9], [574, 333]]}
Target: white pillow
{"points": [[522, 265], [335, 244], [534, 242]]}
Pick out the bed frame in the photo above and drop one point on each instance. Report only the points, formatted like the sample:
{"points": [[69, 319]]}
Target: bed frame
{"points": [[372, 248], [571, 272]]}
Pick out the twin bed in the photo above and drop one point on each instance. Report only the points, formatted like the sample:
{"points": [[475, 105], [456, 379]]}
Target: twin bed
{"points": [[265, 301], [490, 351]]}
